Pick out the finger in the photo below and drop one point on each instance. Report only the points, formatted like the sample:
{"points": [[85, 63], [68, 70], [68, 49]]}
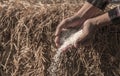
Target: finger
{"points": [[66, 48], [58, 31], [76, 45], [59, 28], [57, 41]]}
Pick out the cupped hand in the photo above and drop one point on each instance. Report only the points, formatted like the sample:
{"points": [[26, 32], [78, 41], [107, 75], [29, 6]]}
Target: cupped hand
{"points": [[71, 22], [82, 35]]}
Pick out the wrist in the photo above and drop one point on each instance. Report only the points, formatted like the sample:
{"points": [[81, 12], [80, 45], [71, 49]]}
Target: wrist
{"points": [[101, 4], [88, 11]]}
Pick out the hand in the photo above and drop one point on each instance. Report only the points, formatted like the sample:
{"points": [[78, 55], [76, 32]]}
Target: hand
{"points": [[74, 21], [89, 28], [82, 35]]}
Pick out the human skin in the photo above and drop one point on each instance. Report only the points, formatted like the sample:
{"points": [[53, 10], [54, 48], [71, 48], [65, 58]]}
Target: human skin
{"points": [[76, 20], [85, 18], [88, 28]]}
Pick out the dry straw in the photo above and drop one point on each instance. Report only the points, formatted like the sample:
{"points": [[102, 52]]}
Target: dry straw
{"points": [[27, 43]]}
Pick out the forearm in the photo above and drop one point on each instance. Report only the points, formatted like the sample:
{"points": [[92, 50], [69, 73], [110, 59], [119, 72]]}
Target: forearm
{"points": [[110, 17], [92, 8], [100, 20], [101, 4], [114, 15], [87, 11]]}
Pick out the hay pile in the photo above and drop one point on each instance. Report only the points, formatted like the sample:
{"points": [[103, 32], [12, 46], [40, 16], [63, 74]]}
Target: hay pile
{"points": [[27, 43]]}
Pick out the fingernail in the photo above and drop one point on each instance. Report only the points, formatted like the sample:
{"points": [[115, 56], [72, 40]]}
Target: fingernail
{"points": [[57, 45], [75, 46]]}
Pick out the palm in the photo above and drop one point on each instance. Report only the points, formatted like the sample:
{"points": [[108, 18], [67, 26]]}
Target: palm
{"points": [[71, 22]]}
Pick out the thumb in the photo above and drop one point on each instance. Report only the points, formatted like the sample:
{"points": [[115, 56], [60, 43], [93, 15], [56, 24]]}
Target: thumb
{"points": [[60, 27], [76, 44]]}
